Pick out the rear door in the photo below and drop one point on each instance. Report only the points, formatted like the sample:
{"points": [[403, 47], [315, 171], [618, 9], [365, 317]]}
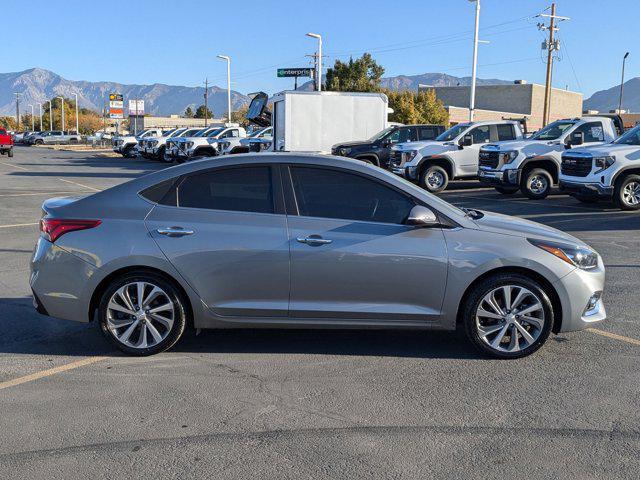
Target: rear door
{"points": [[352, 257], [224, 230]]}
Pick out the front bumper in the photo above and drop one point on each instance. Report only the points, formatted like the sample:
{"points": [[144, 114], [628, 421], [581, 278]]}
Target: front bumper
{"points": [[589, 189], [574, 291], [58, 280], [509, 177]]}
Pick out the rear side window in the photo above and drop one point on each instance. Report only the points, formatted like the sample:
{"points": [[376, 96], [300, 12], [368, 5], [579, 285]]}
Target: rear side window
{"points": [[506, 132], [337, 194], [244, 189], [427, 133]]}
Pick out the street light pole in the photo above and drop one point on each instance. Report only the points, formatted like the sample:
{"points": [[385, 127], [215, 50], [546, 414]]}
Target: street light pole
{"points": [[50, 116], [40, 105], [33, 120], [472, 98], [77, 127], [319, 62], [624, 60], [62, 109], [228, 59]]}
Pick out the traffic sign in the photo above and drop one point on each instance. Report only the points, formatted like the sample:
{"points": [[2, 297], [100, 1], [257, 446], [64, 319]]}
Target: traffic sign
{"points": [[295, 72]]}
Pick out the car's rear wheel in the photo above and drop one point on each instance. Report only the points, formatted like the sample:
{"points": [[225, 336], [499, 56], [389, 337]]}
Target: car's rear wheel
{"points": [[434, 179], [142, 313], [627, 193], [508, 316], [507, 190], [10, 152], [536, 183]]}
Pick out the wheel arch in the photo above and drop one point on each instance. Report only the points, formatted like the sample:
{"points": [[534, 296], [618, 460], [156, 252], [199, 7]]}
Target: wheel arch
{"points": [[441, 161], [369, 156], [546, 163], [546, 285], [104, 283], [623, 172]]}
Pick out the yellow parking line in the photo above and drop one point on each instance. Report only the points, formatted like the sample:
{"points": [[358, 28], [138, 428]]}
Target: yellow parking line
{"points": [[615, 336], [18, 225], [49, 372]]}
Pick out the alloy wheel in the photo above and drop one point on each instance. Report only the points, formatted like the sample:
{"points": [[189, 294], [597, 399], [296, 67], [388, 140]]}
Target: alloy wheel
{"points": [[538, 184], [631, 193], [140, 315], [510, 318], [435, 180]]}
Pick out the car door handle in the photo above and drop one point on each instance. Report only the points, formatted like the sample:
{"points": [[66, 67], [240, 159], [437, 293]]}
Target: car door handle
{"points": [[174, 231], [314, 240]]}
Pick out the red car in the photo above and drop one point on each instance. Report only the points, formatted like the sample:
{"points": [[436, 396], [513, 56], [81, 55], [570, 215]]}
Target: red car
{"points": [[6, 142]]}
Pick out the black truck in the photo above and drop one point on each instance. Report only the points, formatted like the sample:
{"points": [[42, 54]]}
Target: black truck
{"points": [[376, 150]]}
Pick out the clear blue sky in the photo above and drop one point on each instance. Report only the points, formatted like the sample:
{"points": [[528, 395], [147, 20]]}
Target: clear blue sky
{"points": [[177, 45]]}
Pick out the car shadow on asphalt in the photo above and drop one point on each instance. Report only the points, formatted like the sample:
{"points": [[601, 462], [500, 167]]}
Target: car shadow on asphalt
{"points": [[24, 331]]}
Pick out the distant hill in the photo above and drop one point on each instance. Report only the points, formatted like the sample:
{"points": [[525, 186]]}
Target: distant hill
{"points": [[411, 82], [38, 85], [606, 100]]}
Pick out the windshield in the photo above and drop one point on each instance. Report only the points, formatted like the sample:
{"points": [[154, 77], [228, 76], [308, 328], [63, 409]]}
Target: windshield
{"points": [[553, 131], [632, 137], [260, 132], [176, 132], [205, 132], [452, 133], [382, 134], [215, 132]]}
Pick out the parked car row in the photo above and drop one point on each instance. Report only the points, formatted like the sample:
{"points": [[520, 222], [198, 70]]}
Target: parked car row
{"points": [[49, 137]]}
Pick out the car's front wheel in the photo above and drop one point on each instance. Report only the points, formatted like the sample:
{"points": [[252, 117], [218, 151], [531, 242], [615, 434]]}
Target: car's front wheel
{"points": [[536, 183], [142, 313], [627, 192], [508, 316], [434, 179]]}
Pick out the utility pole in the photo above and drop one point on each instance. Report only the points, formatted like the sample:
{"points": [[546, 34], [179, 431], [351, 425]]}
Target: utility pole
{"points": [[40, 105], [318, 60], [472, 97], [551, 46], [624, 60], [33, 120], [17, 111], [77, 127], [315, 70], [228, 59], [206, 101], [50, 116]]}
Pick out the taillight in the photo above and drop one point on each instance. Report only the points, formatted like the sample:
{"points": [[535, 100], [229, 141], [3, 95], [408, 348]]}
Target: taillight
{"points": [[54, 228]]}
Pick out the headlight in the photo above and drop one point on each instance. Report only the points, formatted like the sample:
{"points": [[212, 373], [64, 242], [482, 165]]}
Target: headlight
{"points": [[409, 155], [265, 145], [602, 163], [581, 257], [345, 151], [508, 157]]}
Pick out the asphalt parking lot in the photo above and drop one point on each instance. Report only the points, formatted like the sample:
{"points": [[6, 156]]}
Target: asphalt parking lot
{"points": [[311, 404]]}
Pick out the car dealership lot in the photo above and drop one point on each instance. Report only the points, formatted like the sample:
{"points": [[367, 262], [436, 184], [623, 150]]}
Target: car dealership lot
{"points": [[322, 404]]}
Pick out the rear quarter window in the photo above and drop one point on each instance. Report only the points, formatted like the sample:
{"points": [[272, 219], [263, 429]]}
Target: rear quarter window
{"points": [[159, 193]]}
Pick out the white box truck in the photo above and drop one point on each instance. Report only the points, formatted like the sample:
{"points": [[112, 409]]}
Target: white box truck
{"points": [[314, 121]]}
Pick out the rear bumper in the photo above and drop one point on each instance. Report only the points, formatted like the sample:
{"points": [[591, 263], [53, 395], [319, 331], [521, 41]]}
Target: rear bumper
{"points": [[58, 280], [586, 189]]}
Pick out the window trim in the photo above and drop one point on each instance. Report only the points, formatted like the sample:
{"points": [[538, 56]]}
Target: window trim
{"points": [[593, 123], [276, 185], [292, 201]]}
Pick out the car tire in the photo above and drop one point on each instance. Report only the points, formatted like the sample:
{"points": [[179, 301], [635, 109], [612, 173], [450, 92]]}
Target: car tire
{"points": [[536, 183], [39, 142], [134, 333], [507, 190], [10, 154], [160, 154], [128, 152], [627, 192], [73, 141], [489, 326], [433, 179]]}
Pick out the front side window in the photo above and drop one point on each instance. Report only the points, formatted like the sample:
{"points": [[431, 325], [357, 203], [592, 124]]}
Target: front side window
{"points": [[243, 189], [337, 194], [453, 132], [592, 131], [481, 134]]}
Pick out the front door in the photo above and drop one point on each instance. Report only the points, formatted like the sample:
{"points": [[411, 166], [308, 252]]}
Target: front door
{"points": [[468, 156], [353, 259], [225, 232]]}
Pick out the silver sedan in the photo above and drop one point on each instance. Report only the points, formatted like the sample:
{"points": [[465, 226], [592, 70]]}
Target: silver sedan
{"points": [[284, 240]]}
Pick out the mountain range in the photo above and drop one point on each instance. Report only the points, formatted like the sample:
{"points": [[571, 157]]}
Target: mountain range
{"points": [[38, 85]]}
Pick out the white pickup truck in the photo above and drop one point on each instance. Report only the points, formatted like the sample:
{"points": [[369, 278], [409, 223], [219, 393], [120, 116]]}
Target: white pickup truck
{"points": [[610, 171], [257, 141], [228, 140], [532, 165], [452, 155], [154, 147], [126, 145], [189, 148]]}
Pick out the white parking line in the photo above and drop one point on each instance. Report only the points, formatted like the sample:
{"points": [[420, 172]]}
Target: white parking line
{"points": [[34, 194], [80, 185], [14, 166], [18, 225]]}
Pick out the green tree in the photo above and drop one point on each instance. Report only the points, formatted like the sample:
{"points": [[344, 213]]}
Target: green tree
{"points": [[417, 107], [8, 122], [200, 112], [240, 116], [189, 112], [360, 75]]}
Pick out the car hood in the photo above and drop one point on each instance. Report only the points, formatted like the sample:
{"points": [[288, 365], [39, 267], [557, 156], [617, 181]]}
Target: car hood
{"points": [[508, 225], [528, 147], [608, 149], [431, 147], [360, 143]]}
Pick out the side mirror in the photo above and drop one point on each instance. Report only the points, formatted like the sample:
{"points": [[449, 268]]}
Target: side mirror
{"points": [[577, 138], [422, 217], [466, 141]]}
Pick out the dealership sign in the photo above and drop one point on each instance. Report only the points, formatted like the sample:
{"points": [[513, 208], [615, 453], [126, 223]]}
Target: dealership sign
{"points": [[136, 108], [295, 72], [116, 106]]}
